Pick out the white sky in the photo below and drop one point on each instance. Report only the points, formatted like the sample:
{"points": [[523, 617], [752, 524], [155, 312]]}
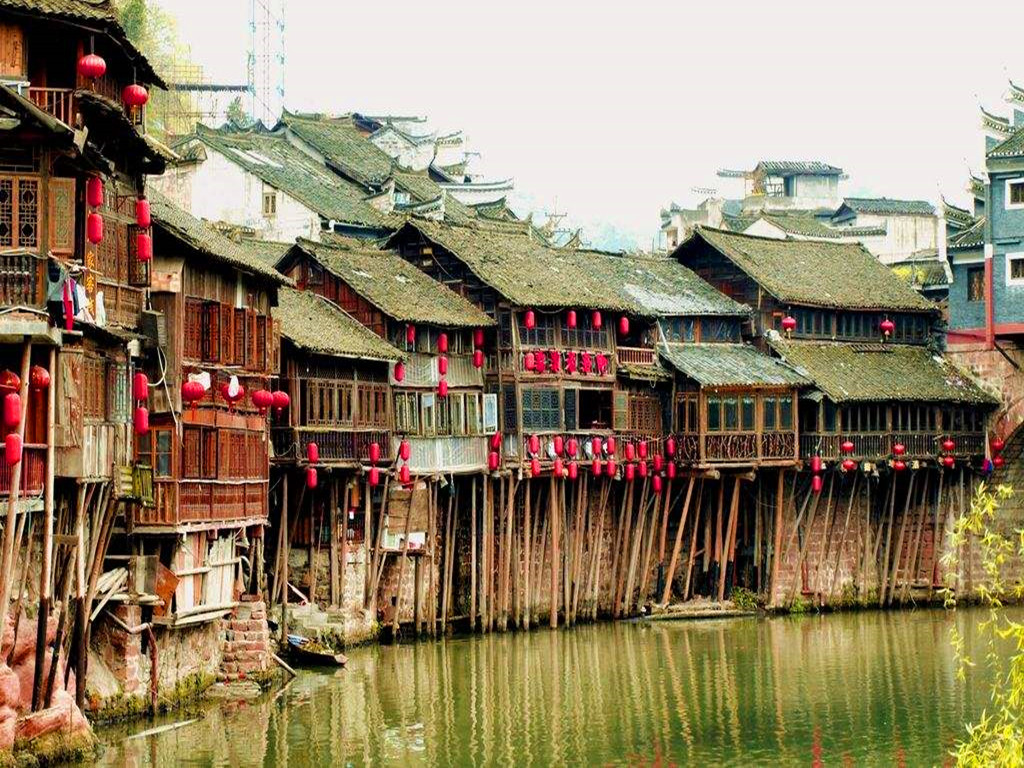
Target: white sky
{"points": [[616, 108]]}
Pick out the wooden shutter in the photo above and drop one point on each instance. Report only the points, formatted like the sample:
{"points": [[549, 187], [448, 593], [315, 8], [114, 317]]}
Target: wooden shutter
{"points": [[620, 410], [274, 345], [62, 216]]}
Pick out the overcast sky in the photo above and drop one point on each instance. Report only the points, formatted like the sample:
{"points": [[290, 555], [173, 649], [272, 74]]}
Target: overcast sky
{"points": [[614, 109]]}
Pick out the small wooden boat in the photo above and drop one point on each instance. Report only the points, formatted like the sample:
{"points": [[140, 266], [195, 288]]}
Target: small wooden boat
{"points": [[309, 652]]}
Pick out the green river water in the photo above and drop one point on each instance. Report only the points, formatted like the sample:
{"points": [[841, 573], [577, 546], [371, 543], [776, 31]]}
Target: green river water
{"points": [[863, 688]]}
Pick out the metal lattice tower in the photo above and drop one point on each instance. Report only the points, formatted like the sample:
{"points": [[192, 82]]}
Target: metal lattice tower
{"points": [[266, 60]]}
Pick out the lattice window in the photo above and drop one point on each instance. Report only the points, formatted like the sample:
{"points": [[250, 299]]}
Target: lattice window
{"points": [[644, 413], [193, 329], [94, 380], [541, 408], [118, 396], [569, 396], [584, 335], [19, 212], [199, 452], [239, 338], [211, 331], [509, 409], [407, 413], [7, 234], [261, 342], [62, 216]]}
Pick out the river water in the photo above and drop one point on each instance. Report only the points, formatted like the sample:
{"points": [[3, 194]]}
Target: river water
{"points": [[864, 688]]}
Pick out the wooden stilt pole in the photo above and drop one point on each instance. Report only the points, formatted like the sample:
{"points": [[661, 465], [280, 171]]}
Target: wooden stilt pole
{"points": [[284, 560], [666, 594], [7, 563], [343, 544], [554, 514], [401, 576], [473, 556], [730, 537], [780, 499], [842, 538], [899, 543], [46, 569], [693, 541]]}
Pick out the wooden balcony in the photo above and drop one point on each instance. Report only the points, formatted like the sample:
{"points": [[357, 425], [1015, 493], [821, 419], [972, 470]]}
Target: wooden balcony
{"points": [[198, 502], [729, 448], [33, 471], [59, 102], [22, 277], [635, 356], [459, 453], [874, 446], [336, 445]]}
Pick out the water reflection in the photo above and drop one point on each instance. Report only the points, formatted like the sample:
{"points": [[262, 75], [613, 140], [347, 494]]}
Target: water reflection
{"points": [[868, 688]]}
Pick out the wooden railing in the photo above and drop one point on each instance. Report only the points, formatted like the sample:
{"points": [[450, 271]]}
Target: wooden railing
{"points": [[732, 447], [33, 470], [429, 455], [59, 102], [21, 280], [878, 445], [178, 502], [333, 444], [635, 355]]}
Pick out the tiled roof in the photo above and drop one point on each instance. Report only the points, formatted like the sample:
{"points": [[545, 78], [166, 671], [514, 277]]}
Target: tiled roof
{"points": [[812, 272], [737, 222], [957, 214], [316, 325], [794, 167], [972, 237], [1012, 146], [529, 273], [206, 240], [268, 252], [887, 206], [272, 158], [727, 365], [396, 287], [881, 372], [343, 145], [806, 226], [922, 274]]}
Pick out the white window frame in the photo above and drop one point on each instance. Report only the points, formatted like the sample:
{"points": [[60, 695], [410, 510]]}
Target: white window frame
{"points": [[269, 193], [1010, 257], [1007, 204]]}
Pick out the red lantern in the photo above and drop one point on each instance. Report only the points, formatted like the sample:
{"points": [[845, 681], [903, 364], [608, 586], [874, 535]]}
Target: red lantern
{"points": [[570, 318], [595, 320], [659, 462], [493, 460], [997, 445], [609, 446], [887, 326], [998, 462], [399, 372], [478, 338], [12, 448], [656, 483], [670, 470], [231, 399], [670, 446], [899, 449], [541, 359], [281, 400], [442, 365], [442, 343], [9, 381], [610, 467], [623, 326], [815, 464], [410, 334], [374, 477], [312, 453], [602, 364], [899, 465], [572, 447], [535, 467], [135, 95], [570, 362], [949, 461], [404, 450], [374, 452], [311, 478], [404, 475], [847, 446], [556, 445], [595, 445], [143, 216], [595, 468], [530, 320], [478, 358], [556, 468], [630, 452], [586, 363], [192, 392], [144, 246], [817, 483], [140, 386], [849, 465], [530, 361], [262, 399], [789, 323], [630, 472], [641, 469], [12, 410], [442, 388], [94, 228], [534, 444], [556, 360], [496, 441], [574, 470], [948, 445], [39, 378], [94, 191], [641, 449], [141, 420], [92, 67]]}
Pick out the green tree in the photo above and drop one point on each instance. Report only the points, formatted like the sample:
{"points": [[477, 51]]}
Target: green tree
{"points": [[237, 115], [998, 736]]}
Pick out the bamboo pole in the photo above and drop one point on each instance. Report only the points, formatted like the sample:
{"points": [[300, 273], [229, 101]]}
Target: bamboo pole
{"points": [[46, 568], [332, 522], [719, 544], [804, 546]]}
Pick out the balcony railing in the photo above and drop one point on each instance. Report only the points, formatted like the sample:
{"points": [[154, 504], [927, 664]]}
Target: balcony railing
{"points": [[635, 356], [878, 445], [59, 102], [33, 470], [333, 444], [21, 279], [732, 447], [179, 502], [444, 454]]}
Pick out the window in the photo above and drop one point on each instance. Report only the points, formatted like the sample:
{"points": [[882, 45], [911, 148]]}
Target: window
{"points": [[1015, 193], [785, 413], [679, 329], [1015, 268], [714, 414], [154, 449], [19, 212], [747, 412], [730, 413], [541, 409], [975, 283], [199, 452], [719, 329], [407, 413], [269, 203], [769, 407]]}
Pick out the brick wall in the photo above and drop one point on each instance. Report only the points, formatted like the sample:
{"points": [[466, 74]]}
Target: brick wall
{"points": [[246, 650]]}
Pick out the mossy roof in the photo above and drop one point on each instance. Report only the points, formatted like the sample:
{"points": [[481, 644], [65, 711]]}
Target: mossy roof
{"points": [[314, 324], [922, 274], [396, 287], [205, 239], [725, 365], [971, 237], [343, 145], [882, 372], [817, 273], [796, 167], [1012, 146], [531, 274], [887, 206]]}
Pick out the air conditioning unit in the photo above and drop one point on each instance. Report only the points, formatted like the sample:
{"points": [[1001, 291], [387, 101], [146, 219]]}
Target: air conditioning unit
{"points": [[154, 327]]}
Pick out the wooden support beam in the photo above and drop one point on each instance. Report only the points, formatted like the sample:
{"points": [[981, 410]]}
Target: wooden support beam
{"points": [[666, 593]]}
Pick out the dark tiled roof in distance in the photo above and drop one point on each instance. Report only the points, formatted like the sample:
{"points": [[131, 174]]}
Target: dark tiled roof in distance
{"points": [[796, 167], [972, 237], [316, 325], [887, 206], [343, 145], [727, 365]]}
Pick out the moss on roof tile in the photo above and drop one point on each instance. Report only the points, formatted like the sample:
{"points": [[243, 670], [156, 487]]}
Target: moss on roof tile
{"points": [[314, 324], [725, 365]]}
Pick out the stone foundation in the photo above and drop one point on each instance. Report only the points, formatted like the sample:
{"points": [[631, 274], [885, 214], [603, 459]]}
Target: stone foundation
{"points": [[246, 650]]}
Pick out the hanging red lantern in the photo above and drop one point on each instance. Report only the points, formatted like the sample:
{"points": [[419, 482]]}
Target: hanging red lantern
{"points": [[899, 449], [817, 483], [478, 338], [442, 365], [9, 381], [311, 478], [442, 343], [670, 446], [998, 461], [815, 464], [641, 468], [135, 95], [557, 445], [997, 445], [595, 320], [232, 397], [530, 361], [586, 363], [140, 386], [94, 191], [541, 360], [630, 472], [623, 326], [496, 441], [658, 461], [442, 388], [478, 358], [899, 465], [610, 467], [312, 453], [670, 470], [534, 444], [595, 446], [399, 372], [192, 392], [602, 364], [404, 450], [94, 228], [570, 318], [141, 420], [609, 445], [574, 470], [12, 448], [556, 468], [849, 465], [492, 461], [374, 453], [92, 67], [530, 320], [374, 477], [144, 246], [630, 452], [143, 215], [12, 410], [887, 326], [948, 445], [570, 362], [656, 483], [572, 447], [39, 378], [535, 467], [847, 446], [595, 468], [556, 360], [641, 449], [262, 399], [404, 475], [281, 400], [789, 324], [410, 334], [949, 461]]}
